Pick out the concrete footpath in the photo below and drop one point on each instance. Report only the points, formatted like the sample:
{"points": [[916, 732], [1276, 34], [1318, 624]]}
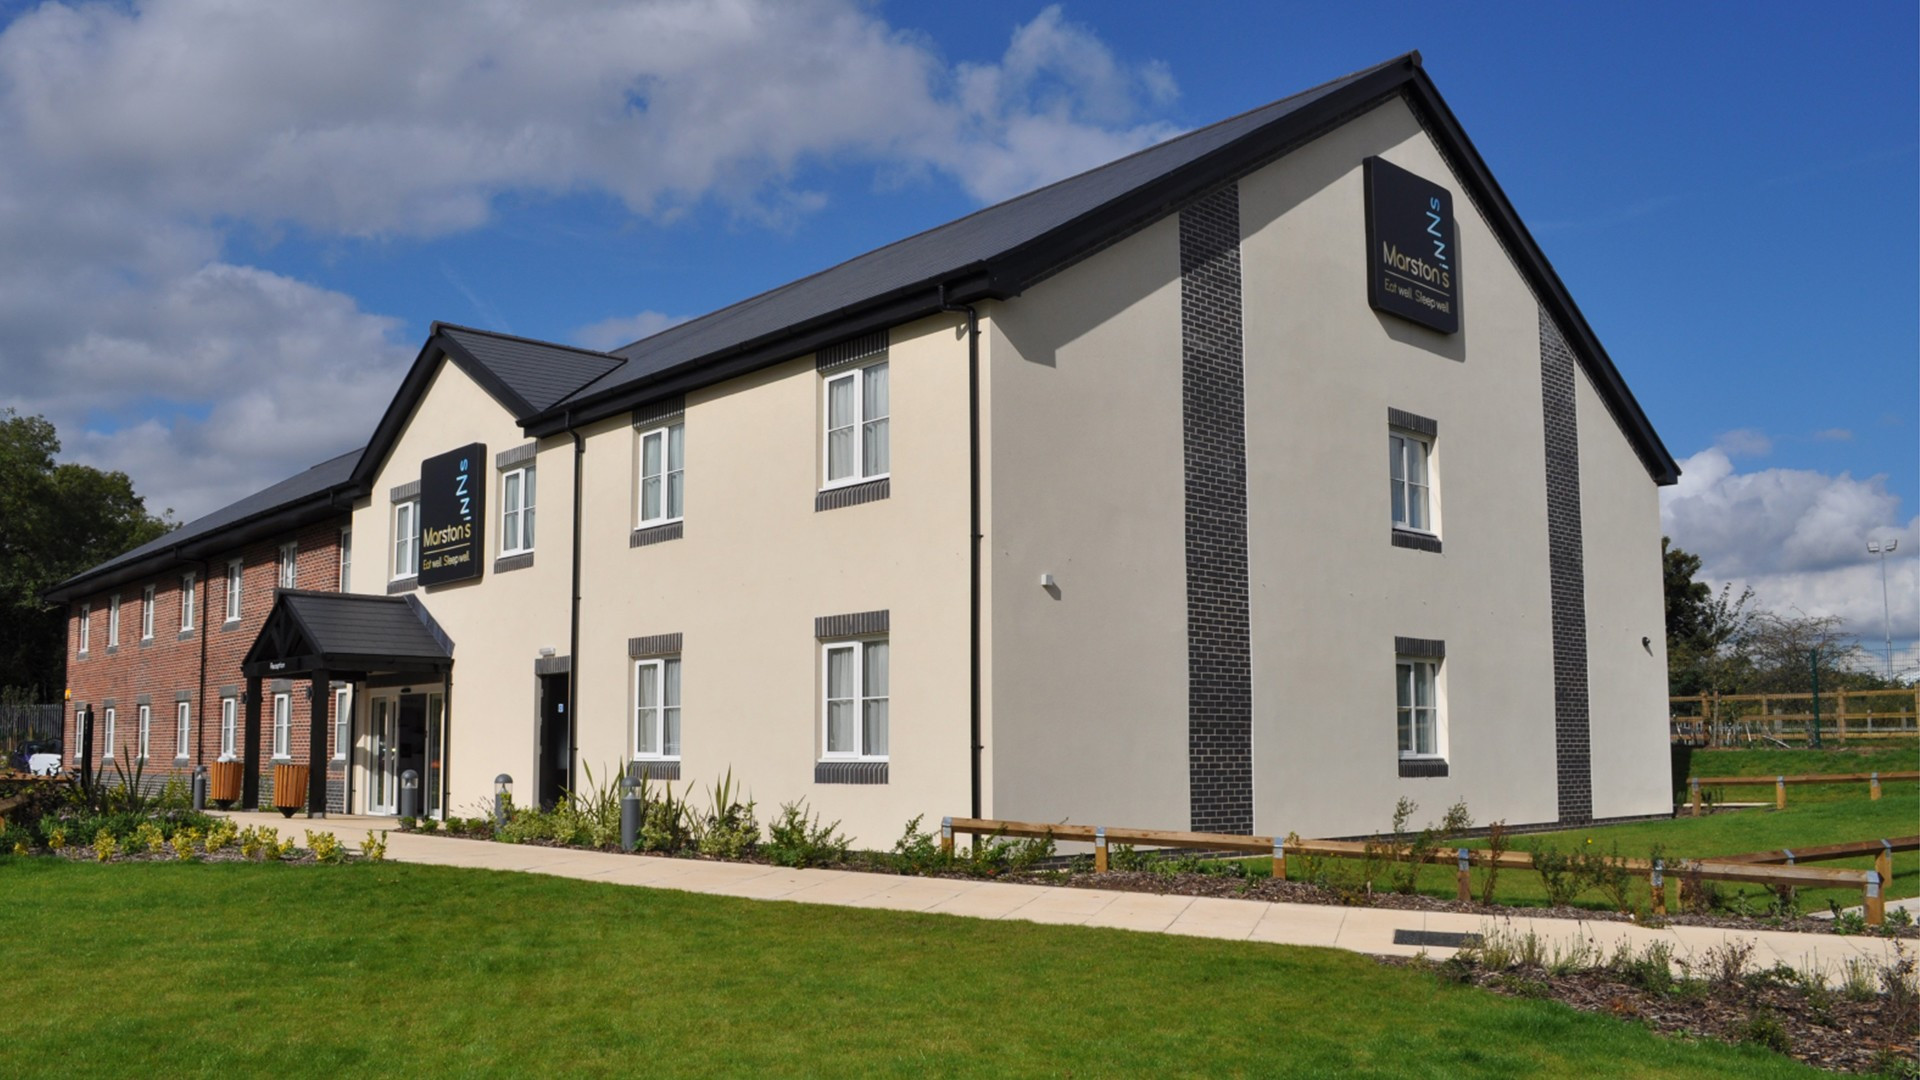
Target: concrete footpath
{"points": [[1379, 931]]}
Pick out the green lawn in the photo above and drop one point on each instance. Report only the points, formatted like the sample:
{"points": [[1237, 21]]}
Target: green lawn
{"points": [[161, 969]]}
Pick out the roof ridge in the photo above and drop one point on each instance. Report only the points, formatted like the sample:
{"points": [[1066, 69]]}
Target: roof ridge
{"points": [[439, 325], [1011, 200]]}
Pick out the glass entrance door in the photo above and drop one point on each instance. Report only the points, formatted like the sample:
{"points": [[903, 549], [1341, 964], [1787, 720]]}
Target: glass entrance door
{"points": [[383, 794]]}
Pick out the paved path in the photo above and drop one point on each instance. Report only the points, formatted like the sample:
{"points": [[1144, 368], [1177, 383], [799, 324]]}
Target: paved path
{"points": [[1364, 930]]}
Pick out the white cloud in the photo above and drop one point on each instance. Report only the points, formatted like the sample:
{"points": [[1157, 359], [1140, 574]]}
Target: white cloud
{"points": [[134, 138], [1745, 442], [612, 333], [1798, 538]]}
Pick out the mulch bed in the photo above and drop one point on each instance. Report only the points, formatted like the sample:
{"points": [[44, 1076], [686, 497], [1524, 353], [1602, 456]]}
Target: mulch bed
{"points": [[1828, 1030]]}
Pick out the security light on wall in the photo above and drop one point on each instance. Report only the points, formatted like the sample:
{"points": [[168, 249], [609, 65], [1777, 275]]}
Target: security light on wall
{"points": [[546, 651], [1046, 581]]}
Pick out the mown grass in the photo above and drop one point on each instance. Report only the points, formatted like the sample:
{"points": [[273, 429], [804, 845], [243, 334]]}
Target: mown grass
{"points": [[160, 969]]}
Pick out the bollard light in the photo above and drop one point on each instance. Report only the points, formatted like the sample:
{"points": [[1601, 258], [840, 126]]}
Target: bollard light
{"points": [[630, 814], [502, 798], [200, 788], [410, 794]]}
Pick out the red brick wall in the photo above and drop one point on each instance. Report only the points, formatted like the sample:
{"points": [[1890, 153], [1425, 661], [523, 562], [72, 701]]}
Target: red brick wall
{"points": [[170, 663]]}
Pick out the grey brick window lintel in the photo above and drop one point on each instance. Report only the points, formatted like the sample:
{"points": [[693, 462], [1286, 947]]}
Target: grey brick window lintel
{"points": [[861, 622], [1413, 422], [1427, 648], [1423, 767], [516, 455], [850, 772], [655, 534], [409, 490], [512, 562], [851, 351], [229, 690], [143, 699], [108, 703], [653, 645], [1418, 541], [656, 413], [182, 695], [281, 686], [552, 665], [654, 770], [853, 494]]}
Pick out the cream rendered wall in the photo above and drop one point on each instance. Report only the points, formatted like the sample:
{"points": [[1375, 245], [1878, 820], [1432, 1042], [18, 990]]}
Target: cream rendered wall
{"points": [[1329, 591], [758, 564], [1089, 680], [1620, 521], [498, 622]]}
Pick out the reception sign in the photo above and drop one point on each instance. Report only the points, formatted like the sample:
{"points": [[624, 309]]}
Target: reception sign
{"points": [[1413, 247], [453, 515]]}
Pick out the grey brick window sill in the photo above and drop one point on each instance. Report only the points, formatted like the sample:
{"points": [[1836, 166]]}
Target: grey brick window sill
{"points": [[179, 763], [403, 585], [111, 649], [853, 494], [184, 635], [654, 770], [1418, 541], [230, 624], [1423, 767], [146, 643], [850, 772], [513, 562], [655, 534]]}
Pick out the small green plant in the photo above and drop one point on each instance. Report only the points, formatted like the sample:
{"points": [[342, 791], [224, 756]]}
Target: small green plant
{"points": [[408, 823], [1650, 969], [374, 848], [1765, 1029], [1859, 979], [220, 834], [1128, 857], [1497, 844], [20, 847], [794, 839], [1898, 918], [1556, 870], [918, 852], [728, 829], [104, 845], [1412, 854], [1847, 923], [57, 839], [1606, 871], [183, 843], [663, 825], [148, 837], [1900, 989], [326, 847]]}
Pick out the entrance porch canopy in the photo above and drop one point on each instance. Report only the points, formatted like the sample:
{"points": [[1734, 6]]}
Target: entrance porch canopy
{"points": [[324, 636]]}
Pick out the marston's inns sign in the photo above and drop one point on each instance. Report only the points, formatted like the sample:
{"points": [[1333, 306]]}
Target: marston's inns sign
{"points": [[453, 515], [1413, 249]]}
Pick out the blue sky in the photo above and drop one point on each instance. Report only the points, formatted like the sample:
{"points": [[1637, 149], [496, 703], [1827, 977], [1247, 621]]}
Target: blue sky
{"points": [[222, 253]]}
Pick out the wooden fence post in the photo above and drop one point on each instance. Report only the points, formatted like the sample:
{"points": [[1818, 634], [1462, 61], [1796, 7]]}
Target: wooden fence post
{"points": [[1876, 903], [1100, 850], [1840, 719], [946, 837], [1694, 786], [1883, 862], [1706, 719], [1779, 793], [1279, 859], [1466, 878], [1659, 886], [1873, 786]]}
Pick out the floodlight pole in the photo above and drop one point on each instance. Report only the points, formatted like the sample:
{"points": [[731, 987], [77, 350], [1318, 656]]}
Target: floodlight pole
{"points": [[1875, 547]]}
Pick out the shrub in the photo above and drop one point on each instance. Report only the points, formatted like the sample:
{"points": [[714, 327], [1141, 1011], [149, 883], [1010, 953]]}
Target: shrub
{"points": [[220, 834], [918, 852], [794, 839], [148, 837], [1127, 857], [105, 846], [1556, 870], [1606, 871], [408, 823], [1846, 923], [326, 847], [1497, 844], [1412, 854], [1765, 1029], [56, 838], [183, 843], [374, 848], [727, 829], [663, 822]]}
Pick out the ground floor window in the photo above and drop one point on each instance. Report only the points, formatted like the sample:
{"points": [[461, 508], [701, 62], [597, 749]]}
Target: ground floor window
{"points": [[106, 752], [282, 725], [855, 711], [79, 735], [342, 721], [229, 722], [182, 721], [656, 709], [1419, 707]]}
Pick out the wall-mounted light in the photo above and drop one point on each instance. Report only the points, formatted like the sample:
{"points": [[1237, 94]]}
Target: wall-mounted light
{"points": [[1046, 581], [546, 652]]}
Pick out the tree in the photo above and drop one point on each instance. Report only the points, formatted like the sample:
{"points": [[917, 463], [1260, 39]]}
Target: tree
{"points": [[1706, 631], [55, 521]]}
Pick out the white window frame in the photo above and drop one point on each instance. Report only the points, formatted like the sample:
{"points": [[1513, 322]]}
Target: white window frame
{"points": [[182, 730], [342, 721], [860, 699], [1414, 667], [862, 426], [283, 727], [79, 735], [517, 521], [187, 601], [86, 628], [346, 557], [655, 718], [113, 621], [406, 539], [106, 753], [144, 732], [229, 727], [235, 570], [289, 576], [1405, 488], [146, 611], [669, 469]]}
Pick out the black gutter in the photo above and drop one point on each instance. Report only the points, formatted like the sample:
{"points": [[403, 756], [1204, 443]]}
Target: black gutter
{"points": [[573, 631], [973, 530]]}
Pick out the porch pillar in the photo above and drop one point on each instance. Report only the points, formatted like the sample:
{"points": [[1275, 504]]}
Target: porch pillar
{"points": [[250, 774], [317, 745]]}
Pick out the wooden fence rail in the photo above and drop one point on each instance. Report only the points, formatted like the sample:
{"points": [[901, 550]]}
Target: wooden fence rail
{"points": [[1722, 719], [1780, 783], [1754, 871]]}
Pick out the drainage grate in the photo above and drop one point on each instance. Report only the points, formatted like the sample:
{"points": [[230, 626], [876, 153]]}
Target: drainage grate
{"points": [[1437, 938]]}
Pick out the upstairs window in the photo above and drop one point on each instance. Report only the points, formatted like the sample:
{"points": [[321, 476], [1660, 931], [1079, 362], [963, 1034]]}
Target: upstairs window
{"points": [[289, 559], [663, 474], [233, 590], [516, 511], [187, 598], [857, 417], [146, 612], [406, 539], [113, 621], [1409, 469], [86, 627], [346, 558]]}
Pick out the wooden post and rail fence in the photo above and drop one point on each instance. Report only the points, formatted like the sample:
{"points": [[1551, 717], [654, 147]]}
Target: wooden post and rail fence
{"points": [[1696, 800], [1756, 868], [1715, 720]]}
